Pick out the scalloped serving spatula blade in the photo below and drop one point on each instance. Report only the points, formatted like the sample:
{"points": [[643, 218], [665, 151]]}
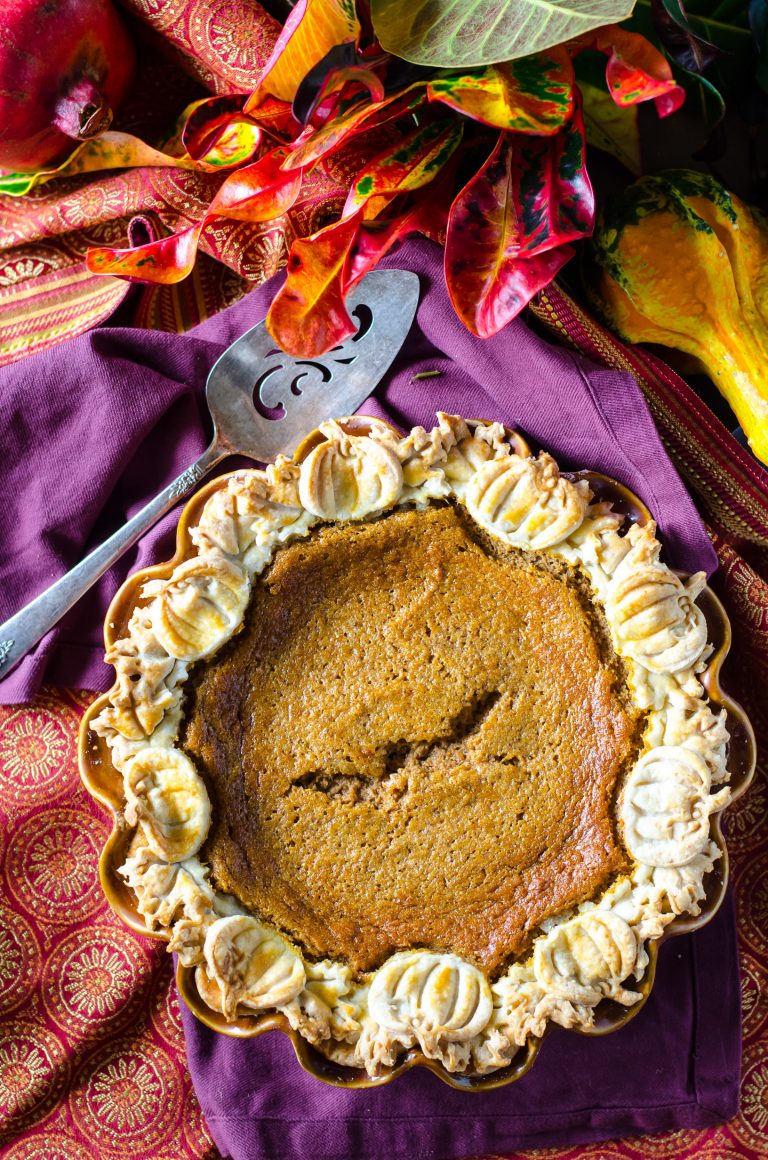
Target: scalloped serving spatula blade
{"points": [[262, 402]]}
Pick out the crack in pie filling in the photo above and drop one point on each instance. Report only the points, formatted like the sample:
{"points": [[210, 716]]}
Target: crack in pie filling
{"points": [[414, 746]]}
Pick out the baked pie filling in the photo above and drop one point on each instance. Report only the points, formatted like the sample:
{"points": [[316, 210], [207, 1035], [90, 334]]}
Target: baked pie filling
{"points": [[389, 674], [415, 747]]}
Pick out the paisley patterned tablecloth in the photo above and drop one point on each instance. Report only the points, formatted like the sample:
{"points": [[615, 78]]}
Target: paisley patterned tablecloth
{"points": [[91, 1049]]}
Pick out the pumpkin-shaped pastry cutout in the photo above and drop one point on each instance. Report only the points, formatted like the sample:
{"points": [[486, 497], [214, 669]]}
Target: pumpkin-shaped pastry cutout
{"points": [[587, 957], [166, 796], [525, 502], [431, 996], [467, 449], [251, 964], [349, 477], [666, 806], [200, 607], [652, 613]]}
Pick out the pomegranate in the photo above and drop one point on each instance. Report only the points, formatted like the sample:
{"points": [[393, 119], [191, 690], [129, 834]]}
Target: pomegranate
{"points": [[64, 66]]}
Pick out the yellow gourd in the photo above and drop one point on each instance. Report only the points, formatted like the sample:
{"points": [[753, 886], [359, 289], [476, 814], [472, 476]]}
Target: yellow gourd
{"points": [[682, 262]]}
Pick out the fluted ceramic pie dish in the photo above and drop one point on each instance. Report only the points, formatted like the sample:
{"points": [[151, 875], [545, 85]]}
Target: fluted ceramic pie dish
{"points": [[471, 460]]}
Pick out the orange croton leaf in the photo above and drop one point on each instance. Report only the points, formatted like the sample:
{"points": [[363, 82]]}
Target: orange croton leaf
{"points": [[257, 193], [312, 29], [413, 162], [163, 262], [308, 315]]}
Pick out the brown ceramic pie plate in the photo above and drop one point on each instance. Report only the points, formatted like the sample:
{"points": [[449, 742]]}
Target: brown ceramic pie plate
{"points": [[105, 783]]}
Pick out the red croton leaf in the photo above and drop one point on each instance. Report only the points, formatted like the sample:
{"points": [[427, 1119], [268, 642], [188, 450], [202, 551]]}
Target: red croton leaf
{"points": [[489, 278], [259, 192], [483, 243], [308, 315], [354, 82], [508, 227], [553, 194], [314, 144], [256, 193], [636, 71]]}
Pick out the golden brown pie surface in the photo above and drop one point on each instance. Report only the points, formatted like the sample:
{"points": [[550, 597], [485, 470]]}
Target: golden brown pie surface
{"points": [[415, 740]]}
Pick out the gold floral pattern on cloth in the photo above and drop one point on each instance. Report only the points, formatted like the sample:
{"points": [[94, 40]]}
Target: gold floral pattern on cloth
{"points": [[224, 43], [92, 1057]]}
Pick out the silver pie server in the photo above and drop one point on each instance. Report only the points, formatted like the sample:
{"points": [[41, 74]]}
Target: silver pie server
{"points": [[262, 402]]}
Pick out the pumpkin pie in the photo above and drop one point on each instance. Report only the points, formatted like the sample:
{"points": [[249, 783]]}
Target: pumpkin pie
{"points": [[414, 746]]}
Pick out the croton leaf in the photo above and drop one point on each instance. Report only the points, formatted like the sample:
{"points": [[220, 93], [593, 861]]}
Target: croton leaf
{"points": [[636, 71], [312, 29], [308, 315], [508, 226], [258, 192], [534, 95], [342, 67], [468, 33], [553, 194], [110, 150], [413, 162], [426, 213], [314, 144], [523, 279], [612, 128], [216, 122], [483, 242], [353, 83], [164, 261]]}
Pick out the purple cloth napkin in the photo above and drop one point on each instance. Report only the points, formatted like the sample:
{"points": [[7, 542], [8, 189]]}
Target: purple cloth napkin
{"points": [[93, 430]]}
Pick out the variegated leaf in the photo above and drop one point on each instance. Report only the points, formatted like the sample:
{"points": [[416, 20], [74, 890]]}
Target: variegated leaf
{"points": [[413, 162], [533, 95], [313, 27], [308, 315]]}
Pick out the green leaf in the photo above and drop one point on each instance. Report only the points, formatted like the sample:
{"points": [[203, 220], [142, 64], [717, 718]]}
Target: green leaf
{"points": [[17, 184], [468, 33], [612, 128]]}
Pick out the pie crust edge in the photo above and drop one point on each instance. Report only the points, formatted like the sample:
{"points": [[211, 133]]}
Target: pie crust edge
{"points": [[435, 1002]]}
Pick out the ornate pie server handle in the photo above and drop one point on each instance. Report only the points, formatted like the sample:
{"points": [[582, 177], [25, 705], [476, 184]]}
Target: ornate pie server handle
{"points": [[19, 634]]}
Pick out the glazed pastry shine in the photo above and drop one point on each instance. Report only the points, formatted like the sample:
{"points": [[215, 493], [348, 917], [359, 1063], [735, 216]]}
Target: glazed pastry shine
{"points": [[437, 1000]]}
